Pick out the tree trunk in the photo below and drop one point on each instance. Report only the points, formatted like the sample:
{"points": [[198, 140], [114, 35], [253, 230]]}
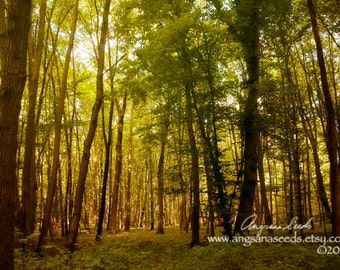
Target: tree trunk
{"points": [[331, 136], [29, 183], [52, 184], [251, 46], [160, 180], [296, 173], [152, 203], [108, 144], [268, 218], [69, 183], [183, 184], [194, 174], [211, 197], [318, 174], [127, 221], [72, 237], [119, 163], [12, 84]]}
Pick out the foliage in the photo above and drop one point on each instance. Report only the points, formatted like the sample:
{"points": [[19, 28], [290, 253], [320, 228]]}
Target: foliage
{"points": [[143, 249], [154, 49]]}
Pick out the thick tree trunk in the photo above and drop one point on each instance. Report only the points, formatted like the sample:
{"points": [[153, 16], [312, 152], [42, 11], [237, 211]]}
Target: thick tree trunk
{"points": [[78, 201], [251, 46], [12, 84], [331, 136]]}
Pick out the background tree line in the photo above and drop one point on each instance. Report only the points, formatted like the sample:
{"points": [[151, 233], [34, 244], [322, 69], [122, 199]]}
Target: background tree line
{"points": [[166, 113]]}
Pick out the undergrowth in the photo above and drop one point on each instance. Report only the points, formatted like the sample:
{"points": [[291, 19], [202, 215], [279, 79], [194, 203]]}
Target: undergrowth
{"points": [[144, 249]]}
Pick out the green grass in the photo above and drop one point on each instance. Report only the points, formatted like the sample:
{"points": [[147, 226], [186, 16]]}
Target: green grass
{"points": [[143, 249]]}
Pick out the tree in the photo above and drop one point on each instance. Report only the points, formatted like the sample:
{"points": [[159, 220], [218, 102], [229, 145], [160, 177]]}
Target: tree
{"points": [[248, 12], [160, 176], [108, 145], [57, 130], [78, 201], [121, 108], [194, 170], [331, 138], [127, 221], [12, 84], [29, 183]]}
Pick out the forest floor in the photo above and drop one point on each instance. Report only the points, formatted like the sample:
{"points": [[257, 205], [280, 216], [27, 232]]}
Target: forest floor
{"points": [[144, 249]]}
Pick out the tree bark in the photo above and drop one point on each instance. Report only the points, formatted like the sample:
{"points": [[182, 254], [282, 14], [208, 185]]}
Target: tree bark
{"points": [[268, 218], [194, 176], [12, 84], [127, 221], [250, 41], [160, 179], [108, 146], [211, 197], [119, 163]]}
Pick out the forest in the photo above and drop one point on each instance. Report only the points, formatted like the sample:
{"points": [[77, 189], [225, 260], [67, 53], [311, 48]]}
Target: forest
{"points": [[181, 119]]}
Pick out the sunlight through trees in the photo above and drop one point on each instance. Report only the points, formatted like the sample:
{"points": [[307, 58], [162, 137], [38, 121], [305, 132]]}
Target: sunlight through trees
{"points": [[157, 114]]}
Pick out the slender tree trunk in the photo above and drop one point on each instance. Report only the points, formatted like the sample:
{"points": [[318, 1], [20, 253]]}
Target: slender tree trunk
{"points": [[152, 202], [268, 218], [12, 84], [211, 200], [108, 145], [78, 201], [194, 174], [194, 177], [183, 203], [57, 130], [296, 173], [331, 137], [160, 180], [127, 221], [69, 183], [317, 165], [29, 183], [309, 190], [119, 163], [211, 145]]}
